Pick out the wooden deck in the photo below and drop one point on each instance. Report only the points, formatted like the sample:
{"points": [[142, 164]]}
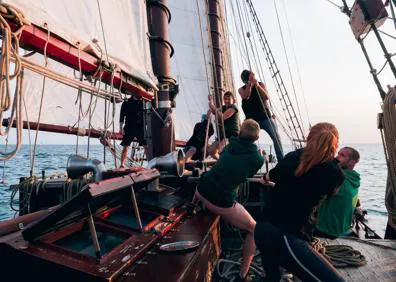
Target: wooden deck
{"points": [[380, 256]]}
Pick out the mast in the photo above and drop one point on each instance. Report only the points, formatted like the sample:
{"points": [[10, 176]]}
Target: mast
{"points": [[158, 117], [216, 40]]}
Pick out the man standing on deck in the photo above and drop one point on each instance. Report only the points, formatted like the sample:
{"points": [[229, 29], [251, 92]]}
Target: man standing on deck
{"points": [[132, 114], [255, 105], [336, 212]]}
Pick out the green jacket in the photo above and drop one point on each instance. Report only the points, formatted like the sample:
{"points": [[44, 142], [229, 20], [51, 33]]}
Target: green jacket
{"points": [[239, 160], [335, 213]]}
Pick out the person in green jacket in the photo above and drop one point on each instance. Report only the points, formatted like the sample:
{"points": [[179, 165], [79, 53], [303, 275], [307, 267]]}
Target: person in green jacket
{"points": [[218, 188], [336, 212]]}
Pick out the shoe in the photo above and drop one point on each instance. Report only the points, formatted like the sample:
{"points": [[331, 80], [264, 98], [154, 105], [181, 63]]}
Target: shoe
{"points": [[247, 278]]}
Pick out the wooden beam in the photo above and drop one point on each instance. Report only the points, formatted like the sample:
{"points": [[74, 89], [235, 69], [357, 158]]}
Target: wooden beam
{"points": [[35, 38]]}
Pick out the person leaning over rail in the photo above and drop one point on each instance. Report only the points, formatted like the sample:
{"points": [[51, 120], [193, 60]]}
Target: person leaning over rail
{"points": [[255, 105], [302, 179], [227, 115], [132, 113], [335, 213], [218, 188]]}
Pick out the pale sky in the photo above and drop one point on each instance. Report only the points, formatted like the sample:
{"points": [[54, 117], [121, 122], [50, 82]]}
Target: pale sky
{"points": [[335, 76]]}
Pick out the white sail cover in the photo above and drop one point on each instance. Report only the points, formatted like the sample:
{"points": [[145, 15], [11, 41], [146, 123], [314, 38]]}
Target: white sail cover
{"points": [[191, 63], [125, 39], [124, 25], [188, 33]]}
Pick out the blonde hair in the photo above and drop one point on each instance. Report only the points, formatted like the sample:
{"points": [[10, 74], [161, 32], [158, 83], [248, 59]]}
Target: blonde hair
{"points": [[250, 130], [322, 144]]}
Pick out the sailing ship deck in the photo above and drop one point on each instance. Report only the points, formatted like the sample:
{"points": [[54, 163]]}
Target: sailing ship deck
{"points": [[380, 256]]}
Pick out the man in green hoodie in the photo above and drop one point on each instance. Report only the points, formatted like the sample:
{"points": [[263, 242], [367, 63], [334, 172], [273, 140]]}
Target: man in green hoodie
{"points": [[336, 212]]}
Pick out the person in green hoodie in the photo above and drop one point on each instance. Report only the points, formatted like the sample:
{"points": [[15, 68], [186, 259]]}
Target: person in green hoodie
{"points": [[335, 213], [218, 188]]}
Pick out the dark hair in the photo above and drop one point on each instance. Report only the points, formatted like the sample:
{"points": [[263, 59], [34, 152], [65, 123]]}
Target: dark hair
{"points": [[245, 75], [229, 94], [353, 154]]}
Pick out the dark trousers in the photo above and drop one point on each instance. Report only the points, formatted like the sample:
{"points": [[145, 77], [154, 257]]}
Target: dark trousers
{"points": [[297, 256]]}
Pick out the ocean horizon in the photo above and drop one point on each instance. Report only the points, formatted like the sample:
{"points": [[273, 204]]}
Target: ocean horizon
{"points": [[52, 158]]}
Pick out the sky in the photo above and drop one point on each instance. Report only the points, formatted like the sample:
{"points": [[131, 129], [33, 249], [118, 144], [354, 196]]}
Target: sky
{"points": [[336, 81], [335, 77]]}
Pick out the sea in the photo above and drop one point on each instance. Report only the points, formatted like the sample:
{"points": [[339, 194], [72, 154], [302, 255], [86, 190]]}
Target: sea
{"points": [[53, 159]]}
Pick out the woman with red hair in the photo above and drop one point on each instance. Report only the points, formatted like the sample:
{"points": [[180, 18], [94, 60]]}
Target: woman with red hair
{"points": [[302, 179]]}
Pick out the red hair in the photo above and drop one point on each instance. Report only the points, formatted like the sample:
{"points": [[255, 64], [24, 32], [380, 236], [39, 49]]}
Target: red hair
{"points": [[322, 144]]}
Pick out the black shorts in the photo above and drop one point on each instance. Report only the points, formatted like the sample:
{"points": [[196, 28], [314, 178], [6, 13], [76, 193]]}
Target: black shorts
{"points": [[131, 134], [198, 154], [228, 136]]}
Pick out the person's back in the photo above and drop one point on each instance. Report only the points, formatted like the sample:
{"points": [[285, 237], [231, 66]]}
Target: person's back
{"points": [[239, 160], [335, 213], [199, 133], [132, 112], [302, 179], [298, 194]]}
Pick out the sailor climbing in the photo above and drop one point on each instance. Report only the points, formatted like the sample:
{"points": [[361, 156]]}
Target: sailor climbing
{"points": [[255, 105], [228, 117]]}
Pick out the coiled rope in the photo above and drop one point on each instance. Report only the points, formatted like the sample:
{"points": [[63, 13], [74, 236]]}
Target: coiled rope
{"points": [[339, 255]]}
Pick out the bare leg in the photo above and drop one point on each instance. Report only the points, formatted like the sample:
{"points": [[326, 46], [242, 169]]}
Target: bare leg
{"points": [[124, 154], [240, 217]]}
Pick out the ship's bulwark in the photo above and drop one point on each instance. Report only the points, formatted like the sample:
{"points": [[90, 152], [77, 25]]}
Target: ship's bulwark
{"points": [[39, 262]]}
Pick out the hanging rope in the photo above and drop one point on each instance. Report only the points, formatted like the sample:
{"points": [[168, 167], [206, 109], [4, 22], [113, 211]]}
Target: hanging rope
{"points": [[9, 51], [41, 102], [297, 64], [287, 60], [250, 67]]}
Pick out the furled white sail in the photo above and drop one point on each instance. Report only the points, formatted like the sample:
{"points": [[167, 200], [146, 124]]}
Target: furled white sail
{"points": [[119, 29], [124, 34], [191, 64]]}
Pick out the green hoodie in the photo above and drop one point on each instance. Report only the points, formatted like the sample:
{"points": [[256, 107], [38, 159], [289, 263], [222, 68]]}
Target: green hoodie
{"points": [[239, 160], [335, 213]]}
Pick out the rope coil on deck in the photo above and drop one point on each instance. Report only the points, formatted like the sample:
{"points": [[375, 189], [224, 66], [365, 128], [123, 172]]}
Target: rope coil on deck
{"points": [[339, 255]]}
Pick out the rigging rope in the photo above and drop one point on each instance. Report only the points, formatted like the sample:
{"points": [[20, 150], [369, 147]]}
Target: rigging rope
{"points": [[9, 51], [287, 60], [41, 101], [250, 67], [207, 78], [297, 65]]}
